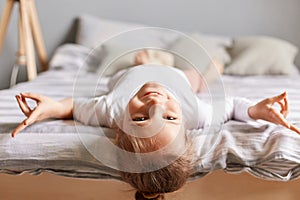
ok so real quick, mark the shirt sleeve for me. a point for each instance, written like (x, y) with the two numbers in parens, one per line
(236, 108)
(91, 111)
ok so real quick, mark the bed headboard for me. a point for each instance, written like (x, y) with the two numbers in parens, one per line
(227, 17)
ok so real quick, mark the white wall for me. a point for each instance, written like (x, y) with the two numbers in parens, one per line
(227, 17)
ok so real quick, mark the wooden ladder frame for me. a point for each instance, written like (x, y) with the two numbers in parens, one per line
(29, 31)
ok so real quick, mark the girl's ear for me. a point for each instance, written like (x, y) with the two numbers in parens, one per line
(117, 136)
(119, 132)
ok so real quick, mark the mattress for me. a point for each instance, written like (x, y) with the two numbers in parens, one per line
(263, 149)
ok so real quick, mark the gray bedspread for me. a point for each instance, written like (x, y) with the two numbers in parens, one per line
(262, 149)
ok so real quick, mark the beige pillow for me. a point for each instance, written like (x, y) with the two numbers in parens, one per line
(113, 60)
(214, 47)
(261, 55)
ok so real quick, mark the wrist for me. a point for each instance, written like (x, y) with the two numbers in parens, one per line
(65, 109)
(252, 112)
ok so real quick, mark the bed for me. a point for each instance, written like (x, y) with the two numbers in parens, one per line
(264, 150)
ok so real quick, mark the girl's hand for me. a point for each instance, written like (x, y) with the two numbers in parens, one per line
(265, 110)
(46, 108)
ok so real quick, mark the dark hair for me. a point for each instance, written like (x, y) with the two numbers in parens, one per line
(155, 183)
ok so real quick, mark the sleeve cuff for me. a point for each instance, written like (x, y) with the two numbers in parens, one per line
(241, 109)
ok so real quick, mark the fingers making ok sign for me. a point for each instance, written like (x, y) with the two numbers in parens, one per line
(266, 110)
(45, 108)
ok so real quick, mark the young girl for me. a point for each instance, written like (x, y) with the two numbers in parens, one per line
(149, 105)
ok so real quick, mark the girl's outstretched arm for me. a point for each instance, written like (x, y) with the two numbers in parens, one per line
(46, 108)
(265, 110)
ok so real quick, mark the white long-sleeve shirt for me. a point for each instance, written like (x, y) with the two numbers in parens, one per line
(107, 110)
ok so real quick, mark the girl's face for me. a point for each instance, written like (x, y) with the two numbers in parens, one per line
(152, 104)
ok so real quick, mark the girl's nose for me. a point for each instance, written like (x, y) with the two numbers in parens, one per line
(156, 111)
(154, 127)
(155, 100)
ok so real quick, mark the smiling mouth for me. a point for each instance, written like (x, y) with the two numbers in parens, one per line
(152, 93)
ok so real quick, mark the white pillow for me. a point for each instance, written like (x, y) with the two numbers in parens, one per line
(261, 55)
(214, 46)
(92, 31)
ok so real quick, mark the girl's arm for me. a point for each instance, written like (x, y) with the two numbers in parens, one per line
(244, 110)
(46, 108)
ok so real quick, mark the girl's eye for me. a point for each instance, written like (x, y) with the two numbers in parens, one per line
(171, 118)
(139, 119)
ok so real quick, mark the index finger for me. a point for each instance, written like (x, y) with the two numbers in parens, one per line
(19, 128)
(294, 128)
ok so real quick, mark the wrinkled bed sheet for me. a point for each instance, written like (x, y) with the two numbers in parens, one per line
(262, 149)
